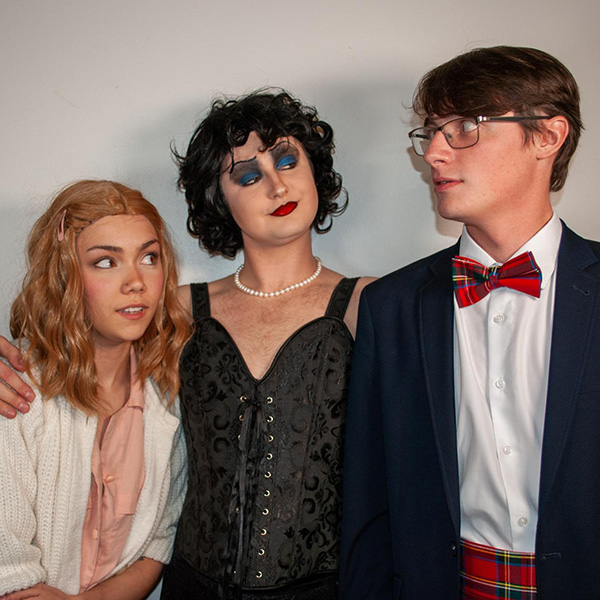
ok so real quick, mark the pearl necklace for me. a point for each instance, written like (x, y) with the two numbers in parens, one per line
(289, 288)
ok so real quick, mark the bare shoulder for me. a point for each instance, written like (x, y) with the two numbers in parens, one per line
(220, 292)
(217, 291)
(352, 311)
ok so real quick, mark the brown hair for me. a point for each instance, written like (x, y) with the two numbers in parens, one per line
(494, 81)
(50, 312)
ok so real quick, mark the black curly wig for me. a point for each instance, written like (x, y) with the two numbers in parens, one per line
(272, 114)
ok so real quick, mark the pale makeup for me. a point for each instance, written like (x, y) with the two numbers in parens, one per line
(270, 192)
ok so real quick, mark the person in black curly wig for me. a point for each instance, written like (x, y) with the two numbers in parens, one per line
(271, 115)
(265, 376)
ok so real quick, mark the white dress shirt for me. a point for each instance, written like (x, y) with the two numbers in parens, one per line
(502, 354)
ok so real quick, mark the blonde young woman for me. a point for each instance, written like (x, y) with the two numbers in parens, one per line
(93, 477)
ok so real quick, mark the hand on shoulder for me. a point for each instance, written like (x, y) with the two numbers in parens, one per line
(14, 392)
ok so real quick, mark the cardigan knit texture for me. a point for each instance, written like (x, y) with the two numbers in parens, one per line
(45, 477)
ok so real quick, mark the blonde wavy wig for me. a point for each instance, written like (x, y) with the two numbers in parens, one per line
(50, 314)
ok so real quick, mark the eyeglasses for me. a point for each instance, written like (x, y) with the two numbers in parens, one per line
(460, 133)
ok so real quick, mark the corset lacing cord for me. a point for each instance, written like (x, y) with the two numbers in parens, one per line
(252, 447)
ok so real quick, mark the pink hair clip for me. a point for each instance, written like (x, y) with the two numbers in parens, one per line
(61, 226)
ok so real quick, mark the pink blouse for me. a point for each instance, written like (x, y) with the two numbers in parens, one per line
(118, 474)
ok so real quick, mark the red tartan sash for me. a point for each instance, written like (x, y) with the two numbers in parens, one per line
(491, 574)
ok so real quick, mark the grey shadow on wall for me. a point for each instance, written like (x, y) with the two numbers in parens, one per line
(153, 170)
(387, 225)
(14, 220)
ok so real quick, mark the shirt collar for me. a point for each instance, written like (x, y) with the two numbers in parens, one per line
(544, 246)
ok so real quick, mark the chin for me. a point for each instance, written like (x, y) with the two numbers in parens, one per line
(452, 210)
(448, 214)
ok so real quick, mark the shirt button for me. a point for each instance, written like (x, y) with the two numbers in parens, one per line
(109, 478)
(507, 449)
(499, 383)
(522, 521)
(499, 319)
(94, 534)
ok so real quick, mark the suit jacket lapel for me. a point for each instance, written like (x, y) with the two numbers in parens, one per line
(437, 348)
(573, 311)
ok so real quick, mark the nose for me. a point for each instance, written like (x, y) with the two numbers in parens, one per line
(133, 281)
(277, 185)
(439, 150)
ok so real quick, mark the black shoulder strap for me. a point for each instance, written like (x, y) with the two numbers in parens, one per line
(340, 298)
(200, 300)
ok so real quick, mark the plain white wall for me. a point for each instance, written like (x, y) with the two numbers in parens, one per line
(101, 89)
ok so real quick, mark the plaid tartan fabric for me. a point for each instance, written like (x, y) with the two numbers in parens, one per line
(473, 281)
(491, 574)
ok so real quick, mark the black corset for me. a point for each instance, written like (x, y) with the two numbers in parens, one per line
(263, 506)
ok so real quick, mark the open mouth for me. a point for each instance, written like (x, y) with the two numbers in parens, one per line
(133, 312)
(284, 209)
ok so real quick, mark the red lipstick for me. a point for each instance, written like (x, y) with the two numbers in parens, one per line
(284, 209)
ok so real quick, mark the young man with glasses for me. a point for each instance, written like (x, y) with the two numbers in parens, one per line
(472, 454)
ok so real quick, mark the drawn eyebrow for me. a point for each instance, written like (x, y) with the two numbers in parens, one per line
(242, 162)
(119, 250)
(254, 158)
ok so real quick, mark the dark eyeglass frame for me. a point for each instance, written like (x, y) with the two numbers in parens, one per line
(428, 133)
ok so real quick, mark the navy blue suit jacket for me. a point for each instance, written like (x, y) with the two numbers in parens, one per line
(401, 525)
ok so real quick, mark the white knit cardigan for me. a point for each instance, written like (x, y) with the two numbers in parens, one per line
(45, 477)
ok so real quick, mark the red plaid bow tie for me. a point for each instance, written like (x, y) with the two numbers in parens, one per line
(473, 281)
